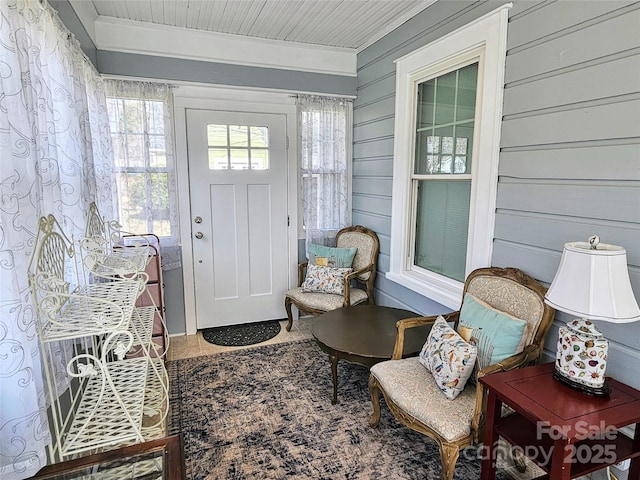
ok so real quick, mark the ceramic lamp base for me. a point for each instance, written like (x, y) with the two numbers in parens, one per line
(581, 356)
(601, 391)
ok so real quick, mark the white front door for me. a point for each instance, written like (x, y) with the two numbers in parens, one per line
(238, 182)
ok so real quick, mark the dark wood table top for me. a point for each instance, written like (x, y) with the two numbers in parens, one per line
(366, 334)
(534, 393)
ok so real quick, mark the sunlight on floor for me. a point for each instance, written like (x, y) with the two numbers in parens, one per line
(188, 346)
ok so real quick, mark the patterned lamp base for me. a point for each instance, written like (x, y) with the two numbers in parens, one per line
(581, 357)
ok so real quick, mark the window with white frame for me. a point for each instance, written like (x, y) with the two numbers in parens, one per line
(324, 124)
(141, 135)
(447, 132)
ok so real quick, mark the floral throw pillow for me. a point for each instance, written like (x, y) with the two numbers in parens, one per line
(448, 357)
(325, 279)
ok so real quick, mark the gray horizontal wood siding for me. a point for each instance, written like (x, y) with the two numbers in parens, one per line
(570, 147)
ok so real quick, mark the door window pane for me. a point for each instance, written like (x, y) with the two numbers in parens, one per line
(239, 159)
(218, 159)
(217, 135)
(259, 159)
(259, 137)
(238, 147)
(238, 136)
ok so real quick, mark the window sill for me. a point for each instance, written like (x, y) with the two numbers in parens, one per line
(440, 289)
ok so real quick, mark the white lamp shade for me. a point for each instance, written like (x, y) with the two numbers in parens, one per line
(594, 284)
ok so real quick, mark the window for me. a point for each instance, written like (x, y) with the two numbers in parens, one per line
(324, 166)
(445, 168)
(441, 177)
(140, 124)
(238, 147)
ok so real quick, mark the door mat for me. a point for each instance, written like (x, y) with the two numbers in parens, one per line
(243, 334)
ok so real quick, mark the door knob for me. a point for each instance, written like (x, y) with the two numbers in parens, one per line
(198, 219)
(199, 235)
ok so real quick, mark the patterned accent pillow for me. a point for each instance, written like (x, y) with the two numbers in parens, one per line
(448, 357)
(325, 279)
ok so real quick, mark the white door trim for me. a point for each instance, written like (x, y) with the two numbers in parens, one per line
(233, 101)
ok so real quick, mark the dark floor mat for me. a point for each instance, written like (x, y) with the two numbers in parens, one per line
(241, 335)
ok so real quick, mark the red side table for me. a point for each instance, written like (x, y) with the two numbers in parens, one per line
(566, 432)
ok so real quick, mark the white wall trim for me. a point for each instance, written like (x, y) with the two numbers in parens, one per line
(484, 39)
(212, 98)
(131, 36)
(408, 15)
(87, 14)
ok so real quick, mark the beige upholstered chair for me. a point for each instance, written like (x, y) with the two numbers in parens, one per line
(364, 273)
(410, 391)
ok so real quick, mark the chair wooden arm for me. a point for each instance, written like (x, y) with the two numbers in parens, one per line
(356, 273)
(522, 359)
(347, 282)
(528, 355)
(407, 323)
(301, 272)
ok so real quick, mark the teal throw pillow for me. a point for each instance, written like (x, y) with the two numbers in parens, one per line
(498, 335)
(331, 256)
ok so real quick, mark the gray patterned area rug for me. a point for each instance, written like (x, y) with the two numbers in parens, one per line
(266, 413)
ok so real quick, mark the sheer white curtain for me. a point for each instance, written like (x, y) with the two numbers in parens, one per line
(324, 161)
(141, 121)
(53, 126)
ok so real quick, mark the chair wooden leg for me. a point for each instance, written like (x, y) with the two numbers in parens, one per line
(374, 391)
(448, 456)
(287, 307)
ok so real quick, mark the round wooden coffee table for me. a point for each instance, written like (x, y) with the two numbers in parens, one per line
(364, 334)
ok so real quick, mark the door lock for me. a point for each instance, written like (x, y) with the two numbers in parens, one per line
(198, 219)
(199, 235)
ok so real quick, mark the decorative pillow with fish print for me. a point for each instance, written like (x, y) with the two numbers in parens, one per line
(448, 357)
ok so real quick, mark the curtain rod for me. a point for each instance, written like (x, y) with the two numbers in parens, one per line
(341, 97)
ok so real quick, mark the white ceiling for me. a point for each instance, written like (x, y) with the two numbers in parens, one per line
(352, 24)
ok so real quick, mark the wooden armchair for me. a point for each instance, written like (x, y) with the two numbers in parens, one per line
(414, 398)
(364, 273)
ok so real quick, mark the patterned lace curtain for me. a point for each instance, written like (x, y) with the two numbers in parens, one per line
(323, 167)
(53, 123)
(141, 121)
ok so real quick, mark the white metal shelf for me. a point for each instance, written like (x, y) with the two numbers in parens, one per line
(111, 408)
(108, 262)
(114, 393)
(93, 309)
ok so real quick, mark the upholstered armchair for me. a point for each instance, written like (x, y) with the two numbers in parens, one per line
(412, 392)
(362, 276)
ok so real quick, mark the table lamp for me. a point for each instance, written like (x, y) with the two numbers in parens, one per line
(592, 282)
